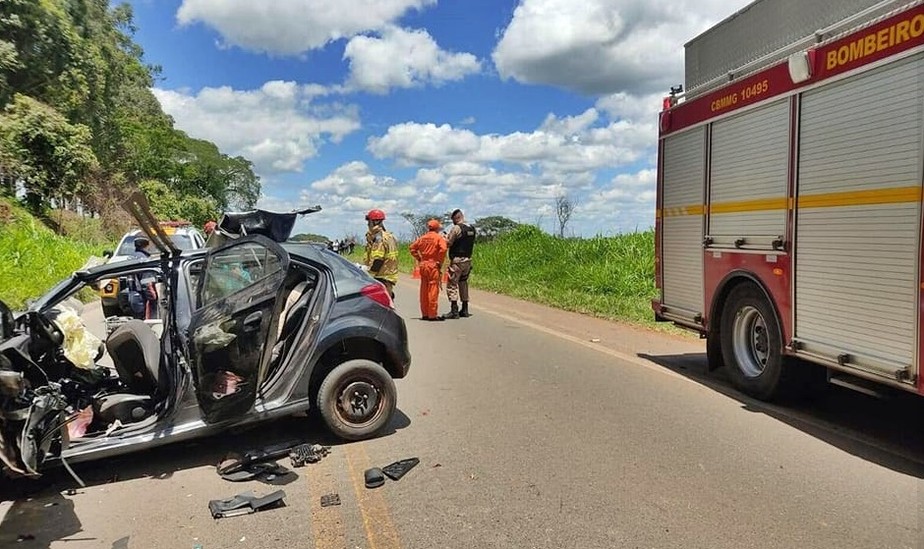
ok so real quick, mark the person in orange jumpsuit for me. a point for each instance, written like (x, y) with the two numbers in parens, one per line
(430, 251)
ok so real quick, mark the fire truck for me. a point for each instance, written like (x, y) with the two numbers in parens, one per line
(788, 219)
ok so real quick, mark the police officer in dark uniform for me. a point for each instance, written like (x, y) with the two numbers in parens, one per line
(461, 240)
(143, 298)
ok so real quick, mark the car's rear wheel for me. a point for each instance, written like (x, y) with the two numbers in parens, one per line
(357, 399)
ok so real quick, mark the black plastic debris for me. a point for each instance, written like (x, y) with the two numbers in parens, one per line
(374, 477)
(234, 462)
(256, 471)
(328, 500)
(25, 537)
(398, 469)
(244, 504)
(307, 453)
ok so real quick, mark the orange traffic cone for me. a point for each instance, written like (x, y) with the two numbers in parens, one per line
(416, 274)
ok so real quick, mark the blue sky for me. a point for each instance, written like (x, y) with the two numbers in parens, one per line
(492, 106)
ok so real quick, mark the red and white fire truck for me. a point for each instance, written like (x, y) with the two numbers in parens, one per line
(789, 210)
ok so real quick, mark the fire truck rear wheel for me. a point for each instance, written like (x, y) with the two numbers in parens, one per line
(752, 343)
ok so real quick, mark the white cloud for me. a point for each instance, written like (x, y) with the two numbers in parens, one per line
(624, 106)
(627, 203)
(356, 179)
(565, 145)
(277, 126)
(606, 46)
(400, 58)
(293, 26)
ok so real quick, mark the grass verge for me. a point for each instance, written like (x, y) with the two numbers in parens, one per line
(33, 258)
(607, 277)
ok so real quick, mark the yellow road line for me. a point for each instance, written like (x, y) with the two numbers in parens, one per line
(327, 528)
(380, 530)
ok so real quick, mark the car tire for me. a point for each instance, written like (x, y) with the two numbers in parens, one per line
(357, 399)
(752, 344)
(111, 310)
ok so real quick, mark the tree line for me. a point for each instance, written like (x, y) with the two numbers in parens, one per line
(80, 127)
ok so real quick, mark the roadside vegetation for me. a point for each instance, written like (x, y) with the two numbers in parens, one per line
(608, 277)
(33, 258)
(80, 128)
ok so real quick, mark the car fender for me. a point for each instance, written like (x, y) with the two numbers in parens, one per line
(332, 335)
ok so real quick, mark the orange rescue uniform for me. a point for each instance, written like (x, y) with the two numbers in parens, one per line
(430, 251)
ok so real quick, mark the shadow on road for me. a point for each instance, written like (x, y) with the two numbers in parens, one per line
(40, 509)
(885, 431)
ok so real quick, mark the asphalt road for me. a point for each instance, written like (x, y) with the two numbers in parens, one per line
(534, 428)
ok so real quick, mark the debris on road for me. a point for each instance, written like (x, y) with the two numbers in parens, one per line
(245, 504)
(25, 537)
(257, 471)
(307, 453)
(374, 477)
(234, 462)
(398, 469)
(328, 500)
(595, 340)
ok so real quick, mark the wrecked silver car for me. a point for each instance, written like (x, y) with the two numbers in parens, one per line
(250, 328)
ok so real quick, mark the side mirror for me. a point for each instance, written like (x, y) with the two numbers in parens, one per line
(107, 254)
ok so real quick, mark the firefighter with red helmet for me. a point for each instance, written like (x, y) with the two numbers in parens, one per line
(381, 251)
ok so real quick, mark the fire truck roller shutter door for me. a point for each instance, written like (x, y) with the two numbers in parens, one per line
(858, 219)
(682, 210)
(749, 177)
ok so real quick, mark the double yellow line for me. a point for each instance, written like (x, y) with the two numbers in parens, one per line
(327, 525)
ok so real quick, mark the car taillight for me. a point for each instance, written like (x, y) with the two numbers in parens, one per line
(377, 292)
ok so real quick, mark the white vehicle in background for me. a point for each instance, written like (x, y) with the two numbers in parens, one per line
(183, 235)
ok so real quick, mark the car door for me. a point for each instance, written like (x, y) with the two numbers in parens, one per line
(237, 300)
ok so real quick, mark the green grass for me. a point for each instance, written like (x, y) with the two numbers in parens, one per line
(33, 258)
(608, 277)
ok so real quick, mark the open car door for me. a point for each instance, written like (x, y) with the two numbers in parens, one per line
(229, 332)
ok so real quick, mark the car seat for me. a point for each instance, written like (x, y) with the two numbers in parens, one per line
(135, 352)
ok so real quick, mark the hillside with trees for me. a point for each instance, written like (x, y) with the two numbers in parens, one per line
(80, 128)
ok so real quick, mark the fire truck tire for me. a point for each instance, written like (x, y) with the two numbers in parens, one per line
(752, 344)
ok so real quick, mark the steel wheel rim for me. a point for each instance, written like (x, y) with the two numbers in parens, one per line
(751, 341)
(360, 402)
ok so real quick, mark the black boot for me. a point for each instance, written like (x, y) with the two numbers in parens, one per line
(464, 312)
(453, 310)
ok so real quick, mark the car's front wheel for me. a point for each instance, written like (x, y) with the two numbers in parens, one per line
(357, 399)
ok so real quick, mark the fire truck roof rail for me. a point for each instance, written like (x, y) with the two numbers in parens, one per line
(861, 19)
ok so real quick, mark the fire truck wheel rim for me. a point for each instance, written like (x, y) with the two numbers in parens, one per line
(751, 341)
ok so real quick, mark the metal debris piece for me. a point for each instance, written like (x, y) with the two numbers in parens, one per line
(330, 499)
(307, 453)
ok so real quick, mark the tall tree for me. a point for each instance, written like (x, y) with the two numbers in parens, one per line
(494, 226)
(564, 209)
(51, 156)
